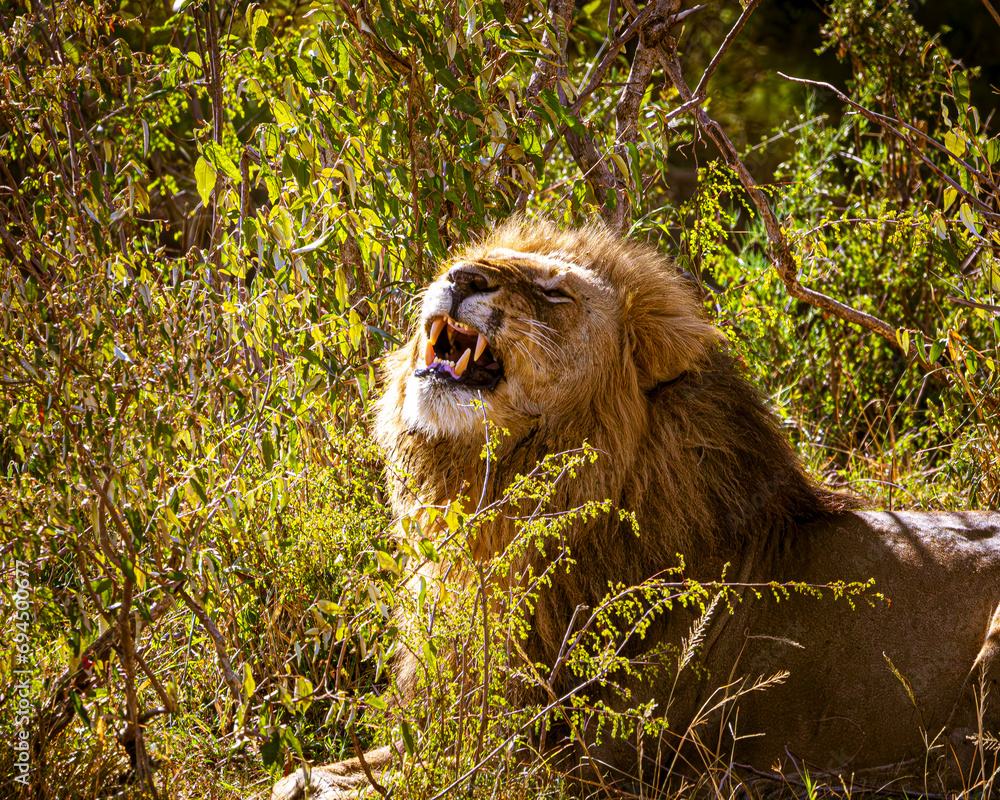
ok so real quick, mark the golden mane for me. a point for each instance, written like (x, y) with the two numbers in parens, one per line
(685, 442)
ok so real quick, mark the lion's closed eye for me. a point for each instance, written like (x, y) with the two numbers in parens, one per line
(556, 295)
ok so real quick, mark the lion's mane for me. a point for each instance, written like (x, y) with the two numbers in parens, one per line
(685, 442)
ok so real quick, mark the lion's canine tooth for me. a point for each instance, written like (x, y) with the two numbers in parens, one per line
(436, 327)
(429, 354)
(481, 344)
(463, 362)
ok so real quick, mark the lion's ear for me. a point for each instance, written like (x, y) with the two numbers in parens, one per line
(667, 333)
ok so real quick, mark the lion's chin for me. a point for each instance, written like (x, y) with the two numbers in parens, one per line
(437, 406)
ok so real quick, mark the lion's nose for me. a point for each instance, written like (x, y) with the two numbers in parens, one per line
(468, 280)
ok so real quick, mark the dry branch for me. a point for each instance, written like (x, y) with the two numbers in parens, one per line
(651, 24)
(888, 124)
(778, 245)
(218, 640)
(126, 654)
(603, 181)
(60, 710)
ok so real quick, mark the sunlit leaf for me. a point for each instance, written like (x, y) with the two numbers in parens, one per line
(204, 175)
(219, 158)
(407, 734)
(968, 217)
(955, 143)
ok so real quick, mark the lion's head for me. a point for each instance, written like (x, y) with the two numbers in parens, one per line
(547, 327)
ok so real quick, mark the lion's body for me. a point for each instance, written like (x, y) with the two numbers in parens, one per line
(602, 341)
(842, 707)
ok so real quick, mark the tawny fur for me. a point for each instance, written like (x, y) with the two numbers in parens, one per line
(631, 365)
(657, 398)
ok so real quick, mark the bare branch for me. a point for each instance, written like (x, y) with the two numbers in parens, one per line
(597, 77)
(993, 11)
(724, 47)
(585, 153)
(220, 643)
(365, 767)
(126, 653)
(630, 103)
(778, 244)
(59, 711)
(888, 124)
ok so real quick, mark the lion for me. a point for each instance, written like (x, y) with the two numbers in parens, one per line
(580, 335)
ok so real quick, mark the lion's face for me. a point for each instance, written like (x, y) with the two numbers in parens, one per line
(527, 334)
(564, 333)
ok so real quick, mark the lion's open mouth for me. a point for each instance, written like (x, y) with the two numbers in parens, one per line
(462, 355)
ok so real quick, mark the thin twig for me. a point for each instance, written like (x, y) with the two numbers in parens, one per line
(220, 643)
(993, 11)
(724, 47)
(59, 711)
(780, 249)
(364, 763)
(888, 124)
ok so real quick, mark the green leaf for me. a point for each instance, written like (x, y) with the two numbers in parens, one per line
(992, 150)
(903, 339)
(551, 101)
(530, 141)
(256, 19)
(270, 750)
(968, 218)
(128, 568)
(465, 102)
(219, 158)
(496, 10)
(199, 489)
(80, 708)
(936, 350)
(960, 89)
(949, 197)
(283, 114)
(315, 244)
(263, 39)
(303, 71)
(387, 562)
(204, 175)
(446, 79)
(267, 450)
(270, 140)
(291, 741)
(303, 693)
(955, 143)
(407, 734)
(428, 551)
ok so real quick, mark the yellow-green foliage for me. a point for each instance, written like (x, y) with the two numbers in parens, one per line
(214, 222)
